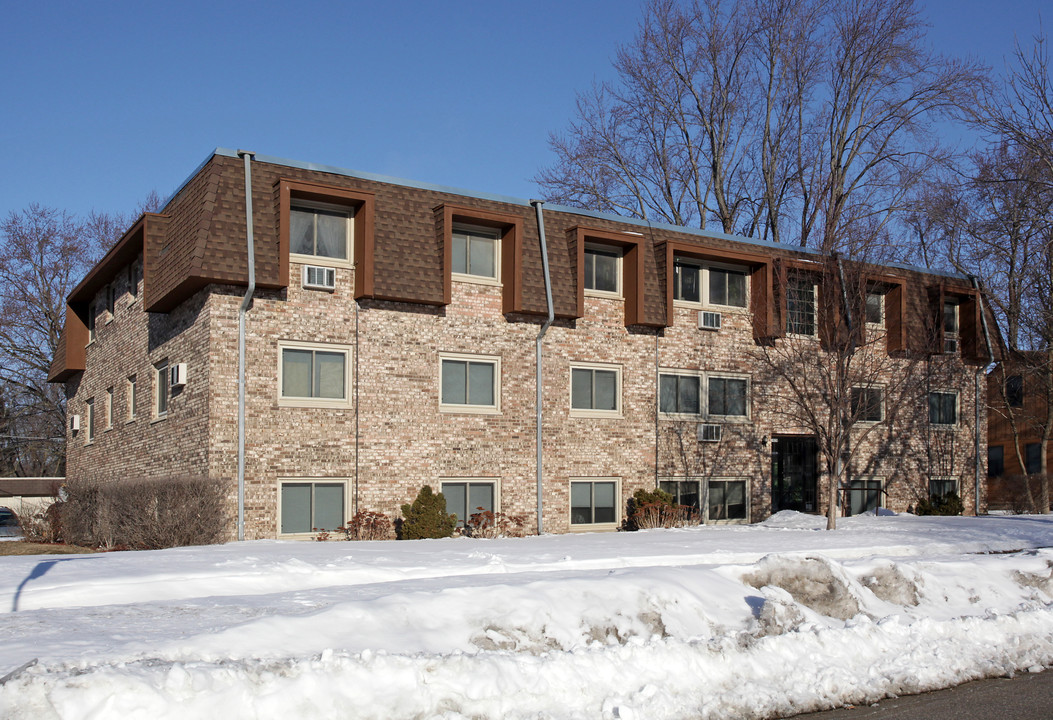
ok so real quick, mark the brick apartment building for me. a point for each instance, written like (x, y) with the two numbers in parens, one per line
(1019, 406)
(390, 343)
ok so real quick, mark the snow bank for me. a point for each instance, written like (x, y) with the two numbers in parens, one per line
(755, 621)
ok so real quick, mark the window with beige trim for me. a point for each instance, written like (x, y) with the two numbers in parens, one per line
(603, 270)
(595, 390)
(469, 383)
(874, 309)
(727, 500)
(679, 393)
(309, 505)
(727, 397)
(320, 233)
(161, 389)
(943, 408)
(89, 412)
(109, 408)
(801, 308)
(476, 253)
(594, 501)
(313, 374)
(131, 397)
(467, 496)
(950, 327)
(707, 284)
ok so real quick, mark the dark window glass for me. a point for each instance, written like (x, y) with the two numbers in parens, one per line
(727, 287)
(864, 495)
(593, 389)
(601, 270)
(465, 499)
(1033, 458)
(943, 408)
(995, 461)
(800, 308)
(679, 394)
(727, 396)
(687, 282)
(866, 404)
(1014, 391)
(465, 382)
(322, 233)
(592, 502)
(727, 500)
(874, 308)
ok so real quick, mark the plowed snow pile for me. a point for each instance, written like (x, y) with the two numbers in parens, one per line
(711, 622)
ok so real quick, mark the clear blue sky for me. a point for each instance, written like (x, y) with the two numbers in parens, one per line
(103, 102)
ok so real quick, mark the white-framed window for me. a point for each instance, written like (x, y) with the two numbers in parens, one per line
(467, 496)
(595, 390)
(706, 284)
(679, 393)
(603, 270)
(89, 415)
(130, 393)
(868, 404)
(727, 500)
(727, 396)
(800, 307)
(133, 280)
(685, 491)
(942, 486)
(476, 253)
(874, 309)
(313, 374)
(91, 322)
(320, 233)
(594, 501)
(108, 399)
(864, 495)
(469, 383)
(943, 407)
(308, 505)
(161, 389)
(950, 327)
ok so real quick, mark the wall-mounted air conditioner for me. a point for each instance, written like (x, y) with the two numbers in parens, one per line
(319, 278)
(709, 432)
(708, 320)
(177, 375)
(74, 422)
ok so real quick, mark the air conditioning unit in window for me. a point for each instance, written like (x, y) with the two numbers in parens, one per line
(74, 422)
(319, 278)
(709, 432)
(177, 375)
(708, 320)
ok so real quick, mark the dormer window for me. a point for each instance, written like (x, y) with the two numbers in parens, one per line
(721, 286)
(320, 232)
(874, 311)
(800, 308)
(950, 327)
(476, 252)
(603, 270)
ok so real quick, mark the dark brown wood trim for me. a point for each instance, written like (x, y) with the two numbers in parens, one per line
(511, 228)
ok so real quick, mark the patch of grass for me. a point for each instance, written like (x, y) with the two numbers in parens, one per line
(17, 547)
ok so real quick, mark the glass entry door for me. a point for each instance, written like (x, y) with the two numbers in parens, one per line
(794, 474)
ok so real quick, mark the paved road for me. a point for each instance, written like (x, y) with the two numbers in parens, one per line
(1025, 697)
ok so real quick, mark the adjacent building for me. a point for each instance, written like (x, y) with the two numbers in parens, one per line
(390, 344)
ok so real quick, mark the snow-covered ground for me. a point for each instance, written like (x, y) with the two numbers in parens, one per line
(710, 622)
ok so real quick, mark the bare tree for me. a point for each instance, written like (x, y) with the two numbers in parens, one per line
(44, 253)
(804, 121)
(833, 378)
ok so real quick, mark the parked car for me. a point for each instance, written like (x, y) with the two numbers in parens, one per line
(9, 527)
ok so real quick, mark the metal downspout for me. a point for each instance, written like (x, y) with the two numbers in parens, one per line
(246, 302)
(541, 334)
(976, 392)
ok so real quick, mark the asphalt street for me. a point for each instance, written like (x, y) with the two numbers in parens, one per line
(1028, 696)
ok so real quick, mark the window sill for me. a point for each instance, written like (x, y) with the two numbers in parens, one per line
(475, 279)
(314, 403)
(604, 294)
(728, 419)
(129, 421)
(680, 417)
(469, 410)
(597, 414)
(159, 418)
(320, 261)
(594, 527)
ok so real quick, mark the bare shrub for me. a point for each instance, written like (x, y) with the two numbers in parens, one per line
(41, 524)
(664, 515)
(487, 524)
(370, 525)
(146, 514)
